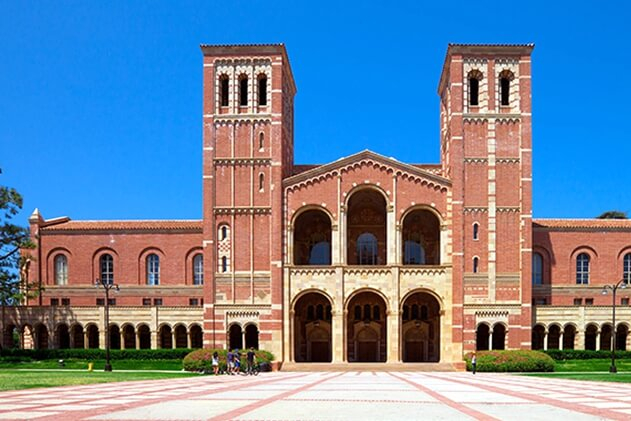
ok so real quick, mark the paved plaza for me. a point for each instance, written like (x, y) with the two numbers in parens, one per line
(326, 396)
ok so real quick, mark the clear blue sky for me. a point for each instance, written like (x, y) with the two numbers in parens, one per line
(100, 102)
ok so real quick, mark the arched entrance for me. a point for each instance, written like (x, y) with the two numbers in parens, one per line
(499, 336)
(10, 336)
(366, 324)
(144, 337)
(621, 337)
(569, 335)
(420, 328)
(312, 328)
(181, 340)
(41, 336)
(606, 332)
(92, 332)
(78, 337)
(538, 333)
(63, 336)
(129, 337)
(166, 337)
(235, 337)
(482, 337)
(554, 336)
(251, 336)
(366, 225)
(590, 337)
(196, 336)
(115, 337)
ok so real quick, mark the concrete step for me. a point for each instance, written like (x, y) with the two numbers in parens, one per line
(292, 366)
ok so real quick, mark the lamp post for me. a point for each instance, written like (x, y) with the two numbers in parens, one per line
(621, 284)
(107, 286)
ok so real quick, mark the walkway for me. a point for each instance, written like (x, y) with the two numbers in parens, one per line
(327, 396)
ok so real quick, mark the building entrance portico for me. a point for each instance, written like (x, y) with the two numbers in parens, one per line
(420, 328)
(366, 328)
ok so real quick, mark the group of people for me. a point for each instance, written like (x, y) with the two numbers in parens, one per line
(233, 361)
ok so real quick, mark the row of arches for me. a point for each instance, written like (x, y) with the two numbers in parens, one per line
(365, 328)
(366, 242)
(595, 337)
(126, 336)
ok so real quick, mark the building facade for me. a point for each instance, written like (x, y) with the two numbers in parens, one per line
(365, 259)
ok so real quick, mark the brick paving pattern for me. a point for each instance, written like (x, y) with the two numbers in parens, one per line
(326, 396)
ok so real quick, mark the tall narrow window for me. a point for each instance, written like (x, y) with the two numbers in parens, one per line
(476, 231)
(224, 232)
(626, 268)
(198, 269)
(225, 90)
(476, 264)
(537, 269)
(582, 269)
(367, 249)
(243, 91)
(474, 90)
(505, 90)
(261, 140)
(107, 268)
(61, 270)
(153, 269)
(261, 181)
(224, 264)
(262, 90)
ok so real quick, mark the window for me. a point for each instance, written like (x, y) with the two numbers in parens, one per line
(111, 301)
(624, 301)
(476, 231)
(423, 312)
(357, 313)
(157, 301)
(582, 269)
(505, 80)
(261, 140)
(414, 311)
(100, 301)
(310, 315)
(376, 313)
(537, 269)
(319, 312)
(198, 270)
(474, 87)
(225, 90)
(262, 90)
(61, 270)
(540, 301)
(414, 251)
(65, 301)
(146, 301)
(224, 264)
(578, 301)
(367, 249)
(54, 301)
(107, 269)
(589, 301)
(193, 301)
(626, 268)
(261, 181)
(476, 264)
(243, 91)
(223, 232)
(153, 269)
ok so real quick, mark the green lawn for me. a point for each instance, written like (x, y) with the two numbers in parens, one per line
(11, 379)
(591, 365)
(81, 364)
(594, 370)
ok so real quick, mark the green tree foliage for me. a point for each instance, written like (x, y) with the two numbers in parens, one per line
(613, 214)
(13, 240)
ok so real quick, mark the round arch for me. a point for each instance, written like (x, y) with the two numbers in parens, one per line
(482, 336)
(422, 207)
(360, 290)
(367, 313)
(312, 326)
(367, 208)
(312, 231)
(420, 321)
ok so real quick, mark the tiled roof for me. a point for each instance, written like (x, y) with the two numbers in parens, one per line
(583, 224)
(141, 225)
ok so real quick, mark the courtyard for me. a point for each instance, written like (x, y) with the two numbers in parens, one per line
(326, 396)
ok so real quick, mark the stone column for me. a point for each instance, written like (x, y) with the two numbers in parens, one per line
(188, 340)
(392, 337)
(391, 233)
(242, 338)
(561, 340)
(337, 336)
(344, 335)
(173, 338)
(545, 340)
(335, 244)
(122, 335)
(579, 340)
(490, 339)
(598, 340)
(86, 339)
(154, 339)
(137, 339)
(291, 340)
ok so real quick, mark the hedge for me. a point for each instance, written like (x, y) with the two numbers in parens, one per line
(584, 354)
(511, 361)
(92, 354)
(201, 359)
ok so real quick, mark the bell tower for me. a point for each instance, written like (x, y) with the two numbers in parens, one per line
(485, 93)
(247, 150)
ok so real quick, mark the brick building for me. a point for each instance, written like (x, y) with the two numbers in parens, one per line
(362, 259)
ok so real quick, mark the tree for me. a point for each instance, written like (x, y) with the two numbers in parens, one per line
(14, 239)
(613, 214)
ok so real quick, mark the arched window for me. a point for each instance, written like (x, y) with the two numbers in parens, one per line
(243, 90)
(153, 269)
(358, 312)
(262, 89)
(476, 231)
(376, 313)
(476, 264)
(505, 81)
(367, 249)
(198, 270)
(224, 90)
(414, 311)
(223, 232)
(582, 269)
(319, 312)
(261, 140)
(420, 233)
(61, 270)
(224, 264)
(475, 76)
(626, 268)
(310, 313)
(107, 268)
(367, 312)
(537, 269)
(261, 181)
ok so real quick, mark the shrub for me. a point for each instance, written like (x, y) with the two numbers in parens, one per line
(94, 354)
(201, 359)
(584, 354)
(511, 361)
